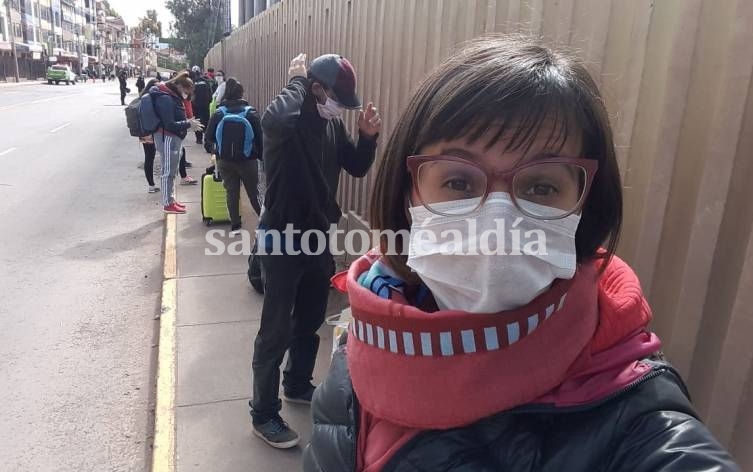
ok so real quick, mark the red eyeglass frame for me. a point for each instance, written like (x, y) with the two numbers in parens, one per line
(591, 166)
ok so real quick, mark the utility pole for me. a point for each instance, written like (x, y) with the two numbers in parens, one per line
(12, 35)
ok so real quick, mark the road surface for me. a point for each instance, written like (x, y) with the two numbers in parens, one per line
(80, 277)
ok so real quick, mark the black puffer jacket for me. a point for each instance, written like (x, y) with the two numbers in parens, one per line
(648, 426)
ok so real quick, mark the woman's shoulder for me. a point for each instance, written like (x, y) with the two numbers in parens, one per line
(644, 427)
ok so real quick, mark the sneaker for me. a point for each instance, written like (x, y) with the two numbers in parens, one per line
(276, 433)
(188, 180)
(177, 203)
(304, 398)
(235, 230)
(173, 209)
(153, 189)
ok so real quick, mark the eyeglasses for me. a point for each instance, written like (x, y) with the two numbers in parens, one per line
(546, 189)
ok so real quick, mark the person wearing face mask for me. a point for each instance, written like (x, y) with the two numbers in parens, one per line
(168, 99)
(306, 146)
(219, 93)
(480, 354)
(217, 97)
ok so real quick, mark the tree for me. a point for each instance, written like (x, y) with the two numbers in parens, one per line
(110, 11)
(149, 25)
(197, 26)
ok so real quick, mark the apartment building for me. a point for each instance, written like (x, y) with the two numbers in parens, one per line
(75, 32)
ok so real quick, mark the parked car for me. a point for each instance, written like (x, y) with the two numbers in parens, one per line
(60, 73)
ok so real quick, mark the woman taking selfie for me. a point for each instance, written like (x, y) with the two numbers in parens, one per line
(487, 354)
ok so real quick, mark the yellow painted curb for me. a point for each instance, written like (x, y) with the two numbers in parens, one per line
(163, 452)
(171, 262)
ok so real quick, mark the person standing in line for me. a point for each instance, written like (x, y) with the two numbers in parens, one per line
(233, 164)
(306, 146)
(201, 99)
(122, 79)
(140, 84)
(219, 93)
(186, 179)
(210, 78)
(174, 125)
(150, 150)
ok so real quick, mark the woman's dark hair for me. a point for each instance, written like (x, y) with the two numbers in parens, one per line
(183, 79)
(151, 83)
(233, 89)
(511, 89)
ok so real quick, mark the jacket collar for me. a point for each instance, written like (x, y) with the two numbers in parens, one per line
(165, 89)
(576, 343)
(234, 103)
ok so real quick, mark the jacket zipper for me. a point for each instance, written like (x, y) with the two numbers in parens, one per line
(655, 372)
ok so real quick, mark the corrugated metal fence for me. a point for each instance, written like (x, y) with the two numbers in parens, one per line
(677, 74)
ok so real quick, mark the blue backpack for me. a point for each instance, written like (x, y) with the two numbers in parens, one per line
(234, 135)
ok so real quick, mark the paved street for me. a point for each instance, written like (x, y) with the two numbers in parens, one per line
(80, 251)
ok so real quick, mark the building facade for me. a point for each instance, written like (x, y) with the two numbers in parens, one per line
(248, 9)
(74, 32)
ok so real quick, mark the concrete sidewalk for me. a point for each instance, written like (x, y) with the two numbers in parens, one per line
(216, 318)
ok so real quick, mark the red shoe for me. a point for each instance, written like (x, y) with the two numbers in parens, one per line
(174, 209)
(176, 203)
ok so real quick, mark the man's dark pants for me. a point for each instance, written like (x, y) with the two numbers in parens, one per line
(233, 173)
(296, 288)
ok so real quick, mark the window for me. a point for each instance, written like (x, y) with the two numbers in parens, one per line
(17, 30)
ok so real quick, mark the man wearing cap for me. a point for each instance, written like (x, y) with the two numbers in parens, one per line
(306, 146)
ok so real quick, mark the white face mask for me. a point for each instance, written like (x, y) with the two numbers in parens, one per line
(330, 110)
(488, 281)
(219, 78)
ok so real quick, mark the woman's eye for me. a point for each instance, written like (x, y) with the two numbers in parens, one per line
(540, 190)
(458, 185)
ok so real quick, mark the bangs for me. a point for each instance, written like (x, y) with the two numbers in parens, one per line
(520, 106)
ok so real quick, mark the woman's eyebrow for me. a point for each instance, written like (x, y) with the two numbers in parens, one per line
(546, 155)
(458, 152)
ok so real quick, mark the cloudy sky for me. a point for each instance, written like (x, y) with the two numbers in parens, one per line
(132, 10)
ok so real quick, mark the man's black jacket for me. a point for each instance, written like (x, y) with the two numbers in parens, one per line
(303, 157)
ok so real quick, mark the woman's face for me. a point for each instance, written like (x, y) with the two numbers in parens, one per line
(550, 185)
(185, 91)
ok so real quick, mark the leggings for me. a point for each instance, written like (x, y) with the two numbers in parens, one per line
(150, 151)
(182, 164)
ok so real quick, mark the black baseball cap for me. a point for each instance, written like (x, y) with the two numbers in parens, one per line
(336, 73)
